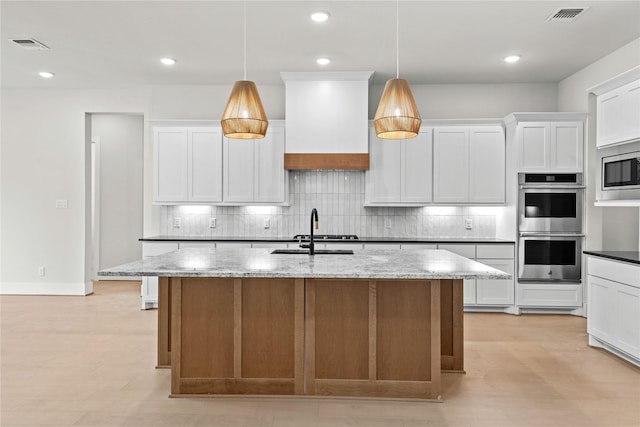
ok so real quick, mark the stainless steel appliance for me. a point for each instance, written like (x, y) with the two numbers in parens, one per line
(549, 257)
(550, 210)
(618, 172)
(550, 203)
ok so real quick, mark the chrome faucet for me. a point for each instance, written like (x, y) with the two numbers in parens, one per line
(311, 245)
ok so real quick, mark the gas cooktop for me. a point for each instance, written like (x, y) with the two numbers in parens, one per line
(326, 237)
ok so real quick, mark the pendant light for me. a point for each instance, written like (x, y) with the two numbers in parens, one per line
(397, 115)
(244, 116)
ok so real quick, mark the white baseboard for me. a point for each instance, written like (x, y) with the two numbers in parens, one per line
(45, 288)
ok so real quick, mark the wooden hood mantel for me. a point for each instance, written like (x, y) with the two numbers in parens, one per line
(305, 161)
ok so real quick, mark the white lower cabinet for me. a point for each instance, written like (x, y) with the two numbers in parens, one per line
(487, 294)
(149, 287)
(613, 320)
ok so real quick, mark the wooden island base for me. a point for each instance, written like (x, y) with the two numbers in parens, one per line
(331, 337)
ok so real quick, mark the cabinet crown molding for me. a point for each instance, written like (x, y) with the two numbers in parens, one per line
(543, 117)
(616, 81)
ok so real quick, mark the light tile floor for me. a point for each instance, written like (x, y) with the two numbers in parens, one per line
(88, 361)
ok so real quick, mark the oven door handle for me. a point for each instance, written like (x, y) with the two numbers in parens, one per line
(538, 187)
(533, 234)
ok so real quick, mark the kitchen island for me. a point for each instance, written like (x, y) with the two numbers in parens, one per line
(374, 324)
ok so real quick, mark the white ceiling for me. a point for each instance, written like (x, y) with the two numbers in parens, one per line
(102, 44)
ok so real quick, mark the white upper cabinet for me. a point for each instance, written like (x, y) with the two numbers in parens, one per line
(451, 165)
(205, 164)
(187, 164)
(618, 109)
(486, 165)
(549, 145)
(170, 183)
(254, 168)
(469, 165)
(400, 170)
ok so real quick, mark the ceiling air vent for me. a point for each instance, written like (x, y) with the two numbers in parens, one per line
(30, 44)
(566, 14)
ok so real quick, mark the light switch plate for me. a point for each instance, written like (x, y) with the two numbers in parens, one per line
(62, 203)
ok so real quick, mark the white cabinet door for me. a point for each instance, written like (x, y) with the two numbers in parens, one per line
(239, 169)
(415, 167)
(496, 291)
(170, 164)
(600, 319)
(269, 184)
(627, 319)
(566, 146)
(550, 146)
(469, 292)
(533, 143)
(384, 174)
(618, 115)
(451, 165)
(205, 164)
(487, 165)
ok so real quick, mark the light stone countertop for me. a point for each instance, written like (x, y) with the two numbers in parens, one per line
(363, 264)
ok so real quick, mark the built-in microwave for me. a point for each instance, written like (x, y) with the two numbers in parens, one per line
(618, 173)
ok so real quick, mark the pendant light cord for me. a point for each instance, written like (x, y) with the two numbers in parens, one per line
(244, 14)
(397, 39)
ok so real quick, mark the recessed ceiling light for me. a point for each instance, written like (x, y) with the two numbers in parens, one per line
(168, 61)
(512, 58)
(46, 74)
(323, 61)
(320, 16)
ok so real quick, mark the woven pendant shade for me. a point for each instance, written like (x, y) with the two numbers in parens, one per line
(244, 116)
(397, 116)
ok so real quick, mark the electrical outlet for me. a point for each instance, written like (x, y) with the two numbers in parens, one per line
(177, 222)
(41, 271)
(387, 223)
(468, 224)
(212, 223)
(267, 223)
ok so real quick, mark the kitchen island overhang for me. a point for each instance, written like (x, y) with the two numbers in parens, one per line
(372, 324)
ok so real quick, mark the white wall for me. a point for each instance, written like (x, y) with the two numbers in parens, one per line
(434, 101)
(476, 101)
(608, 228)
(44, 156)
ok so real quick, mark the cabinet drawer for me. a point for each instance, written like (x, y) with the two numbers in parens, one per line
(418, 246)
(494, 251)
(621, 272)
(154, 249)
(467, 251)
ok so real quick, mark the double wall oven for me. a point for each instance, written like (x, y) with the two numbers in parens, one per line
(550, 227)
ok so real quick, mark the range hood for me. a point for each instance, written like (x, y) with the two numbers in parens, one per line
(327, 120)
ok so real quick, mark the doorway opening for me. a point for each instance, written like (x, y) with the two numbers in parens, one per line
(116, 199)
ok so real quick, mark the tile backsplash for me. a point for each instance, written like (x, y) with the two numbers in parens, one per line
(339, 197)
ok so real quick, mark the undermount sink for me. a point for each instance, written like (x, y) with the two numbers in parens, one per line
(316, 252)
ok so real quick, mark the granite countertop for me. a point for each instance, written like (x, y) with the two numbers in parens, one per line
(365, 264)
(626, 256)
(360, 240)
